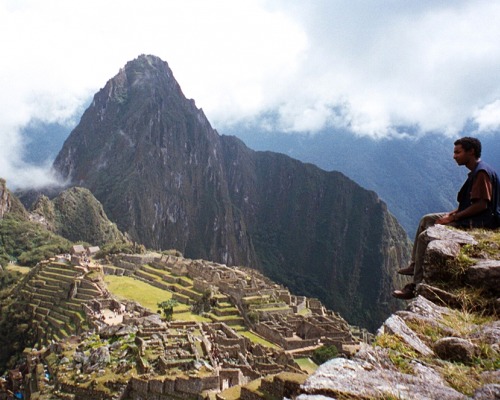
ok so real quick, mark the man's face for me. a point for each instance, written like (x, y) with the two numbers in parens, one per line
(462, 156)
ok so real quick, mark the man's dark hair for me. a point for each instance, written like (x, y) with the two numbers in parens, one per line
(468, 143)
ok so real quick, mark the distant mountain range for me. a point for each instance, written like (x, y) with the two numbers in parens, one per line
(414, 176)
(169, 180)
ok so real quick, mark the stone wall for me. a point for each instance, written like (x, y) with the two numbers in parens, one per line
(180, 386)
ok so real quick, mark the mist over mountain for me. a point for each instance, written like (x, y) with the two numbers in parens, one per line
(169, 180)
(44, 140)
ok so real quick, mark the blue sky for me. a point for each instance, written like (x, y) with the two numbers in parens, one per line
(367, 66)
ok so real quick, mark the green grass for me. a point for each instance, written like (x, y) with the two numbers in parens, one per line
(306, 364)
(488, 244)
(399, 352)
(188, 316)
(257, 339)
(18, 268)
(232, 393)
(304, 311)
(127, 288)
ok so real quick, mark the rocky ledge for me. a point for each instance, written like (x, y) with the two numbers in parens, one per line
(445, 345)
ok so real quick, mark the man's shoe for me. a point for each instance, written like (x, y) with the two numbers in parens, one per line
(409, 270)
(407, 293)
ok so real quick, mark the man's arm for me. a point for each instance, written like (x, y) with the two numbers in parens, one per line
(448, 218)
(475, 208)
(481, 194)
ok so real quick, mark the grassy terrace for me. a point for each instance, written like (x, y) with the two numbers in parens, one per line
(180, 285)
(256, 339)
(232, 393)
(306, 364)
(128, 288)
(18, 268)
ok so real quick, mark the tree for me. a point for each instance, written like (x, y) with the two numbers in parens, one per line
(167, 307)
(205, 304)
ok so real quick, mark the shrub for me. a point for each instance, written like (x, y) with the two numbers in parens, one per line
(324, 353)
(120, 247)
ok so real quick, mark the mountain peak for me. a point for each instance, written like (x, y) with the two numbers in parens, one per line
(146, 73)
(168, 180)
(148, 69)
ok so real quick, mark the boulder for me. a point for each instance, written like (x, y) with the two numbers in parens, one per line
(441, 232)
(488, 392)
(98, 358)
(396, 326)
(374, 373)
(439, 252)
(428, 309)
(485, 273)
(342, 378)
(491, 376)
(456, 349)
(438, 296)
(488, 333)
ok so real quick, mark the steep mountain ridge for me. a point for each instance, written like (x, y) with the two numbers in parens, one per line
(142, 139)
(333, 233)
(76, 215)
(170, 181)
(50, 226)
(9, 202)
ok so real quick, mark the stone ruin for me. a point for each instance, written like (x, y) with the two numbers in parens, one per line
(71, 306)
(266, 307)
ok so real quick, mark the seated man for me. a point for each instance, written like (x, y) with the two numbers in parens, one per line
(478, 207)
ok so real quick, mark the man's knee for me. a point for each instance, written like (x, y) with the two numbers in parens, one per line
(426, 221)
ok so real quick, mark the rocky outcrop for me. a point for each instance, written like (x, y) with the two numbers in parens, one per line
(169, 180)
(423, 372)
(76, 215)
(360, 379)
(44, 213)
(4, 199)
(431, 351)
(9, 203)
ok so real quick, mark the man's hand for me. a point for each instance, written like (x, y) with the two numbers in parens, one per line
(477, 207)
(448, 218)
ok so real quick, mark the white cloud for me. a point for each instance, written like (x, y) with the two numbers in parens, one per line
(17, 173)
(361, 65)
(429, 64)
(488, 117)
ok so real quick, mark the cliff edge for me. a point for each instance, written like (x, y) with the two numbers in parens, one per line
(444, 345)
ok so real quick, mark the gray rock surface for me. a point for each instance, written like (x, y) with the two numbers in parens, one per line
(439, 252)
(396, 326)
(456, 349)
(442, 232)
(437, 295)
(438, 327)
(488, 392)
(486, 274)
(341, 378)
